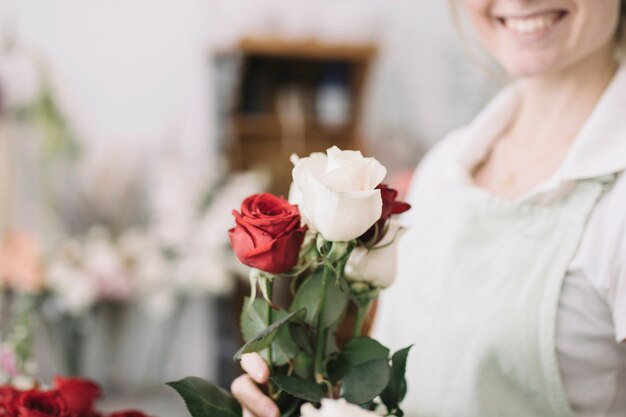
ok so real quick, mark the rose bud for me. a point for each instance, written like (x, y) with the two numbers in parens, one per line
(79, 394)
(377, 265)
(391, 206)
(268, 234)
(34, 403)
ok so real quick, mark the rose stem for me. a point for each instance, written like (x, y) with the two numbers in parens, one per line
(320, 346)
(362, 309)
(270, 319)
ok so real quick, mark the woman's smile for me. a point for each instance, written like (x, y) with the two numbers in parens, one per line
(535, 26)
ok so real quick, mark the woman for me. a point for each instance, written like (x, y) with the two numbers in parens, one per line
(516, 295)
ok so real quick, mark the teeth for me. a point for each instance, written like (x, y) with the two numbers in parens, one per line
(530, 25)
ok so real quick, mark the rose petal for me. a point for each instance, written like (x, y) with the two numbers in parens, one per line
(344, 216)
(339, 215)
(79, 394)
(338, 158)
(358, 176)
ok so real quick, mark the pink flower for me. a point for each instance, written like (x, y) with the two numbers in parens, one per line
(20, 266)
(8, 362)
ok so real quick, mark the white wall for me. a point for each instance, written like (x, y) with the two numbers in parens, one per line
(133, 74)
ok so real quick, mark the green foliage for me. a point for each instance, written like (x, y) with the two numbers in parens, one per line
(309, 296)
(363, 349)
(204, 399)
(394, 393)
(303, 365)
(253, 318)
(302, 370)
(300, 388)
(365, 382)
(300, 336)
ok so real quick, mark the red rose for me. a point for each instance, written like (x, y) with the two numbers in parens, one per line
(34, 403)
(8, 401)
(128, 413)
(267, 235)
(391, 206)
(79, 394)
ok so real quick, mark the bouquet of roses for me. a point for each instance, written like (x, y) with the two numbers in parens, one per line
(333, 242)
(69, 397)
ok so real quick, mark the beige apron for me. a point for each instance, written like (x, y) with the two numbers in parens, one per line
(478, 289)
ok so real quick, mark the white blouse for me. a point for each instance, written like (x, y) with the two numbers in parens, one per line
(591, 322)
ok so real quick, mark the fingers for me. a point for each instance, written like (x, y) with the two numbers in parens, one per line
(254, 402)
(248, 413)
(255, 366)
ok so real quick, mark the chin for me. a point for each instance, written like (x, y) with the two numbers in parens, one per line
(532, 65)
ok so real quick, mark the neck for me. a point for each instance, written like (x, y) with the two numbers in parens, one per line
(554, 107)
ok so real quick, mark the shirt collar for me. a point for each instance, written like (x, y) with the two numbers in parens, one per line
(598, 150)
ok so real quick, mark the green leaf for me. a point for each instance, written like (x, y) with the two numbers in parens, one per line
(365, 382)
(300, 336)
(266, 336)
(289, 406)
(336, 369)
(363, 349)
(309, 295)
(255, 319)
(395, 391)
(205, 399)
(303, 365)
(300, 388)
(285, 349)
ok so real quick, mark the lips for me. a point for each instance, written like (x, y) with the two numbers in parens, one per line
(532, 24)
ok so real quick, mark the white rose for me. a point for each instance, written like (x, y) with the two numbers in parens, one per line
(377, 265)
(336, 193)
(335, 408)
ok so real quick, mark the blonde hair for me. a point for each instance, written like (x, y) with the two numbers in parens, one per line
(621, 34)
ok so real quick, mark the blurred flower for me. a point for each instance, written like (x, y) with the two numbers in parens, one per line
(20, 264)
(35, 403)
(103, 263)
(73, 290)
(179, 253)
(20, 79)
(203, 273)
(8, 362)
(79, 395)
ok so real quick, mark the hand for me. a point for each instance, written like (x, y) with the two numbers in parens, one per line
(254, 402)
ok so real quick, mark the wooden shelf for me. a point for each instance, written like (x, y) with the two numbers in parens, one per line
(263, 124)
(270, 67)
(306, 49)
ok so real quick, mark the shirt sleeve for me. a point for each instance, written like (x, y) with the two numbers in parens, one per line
(618, 290)
(617, 259)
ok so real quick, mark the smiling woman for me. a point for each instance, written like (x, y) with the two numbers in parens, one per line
(529, 37)
(512, 271)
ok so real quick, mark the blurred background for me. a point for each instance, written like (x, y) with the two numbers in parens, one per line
(130, 129)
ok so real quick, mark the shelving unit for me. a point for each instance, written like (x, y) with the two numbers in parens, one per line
(293, 97)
